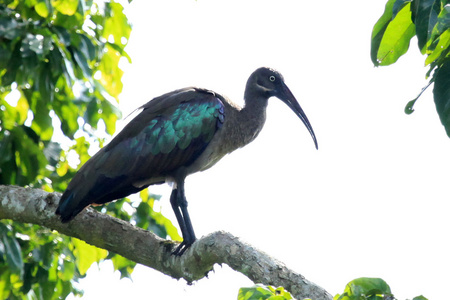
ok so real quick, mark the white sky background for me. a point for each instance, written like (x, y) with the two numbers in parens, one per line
(371, 202)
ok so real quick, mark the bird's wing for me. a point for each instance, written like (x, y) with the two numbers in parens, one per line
(171, 132)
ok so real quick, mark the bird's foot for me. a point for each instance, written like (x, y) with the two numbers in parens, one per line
(182, 248)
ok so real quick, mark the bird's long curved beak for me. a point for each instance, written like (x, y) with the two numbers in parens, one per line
(287, 97)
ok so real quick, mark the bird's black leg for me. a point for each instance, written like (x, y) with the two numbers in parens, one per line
(177, 211)
(182, 203)
(179, 206)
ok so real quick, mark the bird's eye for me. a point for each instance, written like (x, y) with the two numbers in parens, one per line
(272, 78)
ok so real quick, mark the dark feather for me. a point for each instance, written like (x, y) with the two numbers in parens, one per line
(171, 132)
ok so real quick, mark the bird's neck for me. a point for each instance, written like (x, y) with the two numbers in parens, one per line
(255, 106)
(253, 117)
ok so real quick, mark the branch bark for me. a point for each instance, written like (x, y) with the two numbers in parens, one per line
(38, 207)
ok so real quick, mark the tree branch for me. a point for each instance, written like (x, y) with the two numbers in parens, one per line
(38, 207)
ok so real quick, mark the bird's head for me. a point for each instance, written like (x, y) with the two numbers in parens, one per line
(268, 83)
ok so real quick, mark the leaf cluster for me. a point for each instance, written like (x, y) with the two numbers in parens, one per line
(262, 292)
(59, 86)
(366, 288)
(429, 21)
(36, 263)
(59, 64)
(363, 288)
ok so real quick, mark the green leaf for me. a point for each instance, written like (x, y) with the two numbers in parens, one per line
(14, 115)
(442, 24)
(409, 109)
(379, 29)
(22, 109)
(12, 250)
(67, 270)
(253, 293)
(81, 147)
(42, 9)
(7, 161)
(82, 62)
(365, 288)
(10, 28)
(425, 15)
(47, 288)
(398, 5)
(27, 278)
(29, 157)
(261, 292)
(111, 74)
(5, 55)
(46, 83)
(52, 152)
(419, 298)
(439, 45)
(10, 116)
(67, 112)
(42, 123)
(441, 92)
(87, 47)
(280, 293)
(92, 115)
(86, 255)
(66, 7)
(117, 25)
(31, 45)
(5, 284)
(46, 254)
(120, 50)
(441, 48)
(63, 35)
(68, 66)
(123, 265)
(392, 37)
(109, 114)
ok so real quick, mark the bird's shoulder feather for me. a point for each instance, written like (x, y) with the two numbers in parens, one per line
(172, 106)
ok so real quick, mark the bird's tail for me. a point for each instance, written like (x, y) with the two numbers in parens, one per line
(65, 209)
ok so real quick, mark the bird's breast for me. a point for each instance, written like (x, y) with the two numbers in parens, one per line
(234, 134)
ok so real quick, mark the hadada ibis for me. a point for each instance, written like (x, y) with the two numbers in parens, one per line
(175, 135)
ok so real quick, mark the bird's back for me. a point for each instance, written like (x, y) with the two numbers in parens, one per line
(170, 133)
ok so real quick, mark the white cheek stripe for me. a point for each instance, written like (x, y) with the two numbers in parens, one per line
(263, 88)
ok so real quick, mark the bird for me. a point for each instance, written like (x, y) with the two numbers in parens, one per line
(175, 135)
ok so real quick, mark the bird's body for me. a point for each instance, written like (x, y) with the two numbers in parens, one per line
(175, 135)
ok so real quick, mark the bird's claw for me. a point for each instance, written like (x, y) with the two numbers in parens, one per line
(182, 247)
